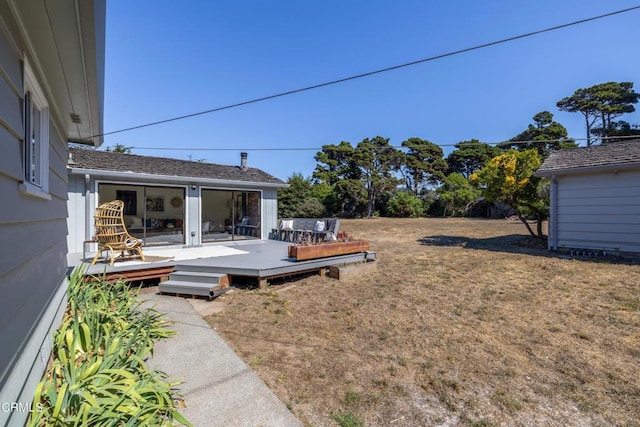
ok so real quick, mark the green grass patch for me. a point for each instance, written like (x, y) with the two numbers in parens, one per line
(351, 398)
(347, 419)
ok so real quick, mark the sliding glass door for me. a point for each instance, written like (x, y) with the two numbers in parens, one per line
(152, 213)
(230, 215)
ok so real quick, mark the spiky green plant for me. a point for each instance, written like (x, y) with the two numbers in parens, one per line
(98, 375)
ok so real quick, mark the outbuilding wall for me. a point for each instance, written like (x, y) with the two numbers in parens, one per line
(597, 211)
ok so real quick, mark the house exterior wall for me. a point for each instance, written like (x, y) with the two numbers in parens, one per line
(599, 211)
(33, 218)
(33, 231)
(79, 219)
(269, 211)
(192, 216)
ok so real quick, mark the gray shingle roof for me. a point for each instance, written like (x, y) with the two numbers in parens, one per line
(598, 156)
(118, 162)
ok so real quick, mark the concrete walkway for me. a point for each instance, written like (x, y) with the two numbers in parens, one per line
(219, 389)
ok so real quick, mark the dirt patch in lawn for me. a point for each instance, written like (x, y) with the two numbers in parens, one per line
(465, 322)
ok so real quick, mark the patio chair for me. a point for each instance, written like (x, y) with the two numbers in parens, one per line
(112, 235)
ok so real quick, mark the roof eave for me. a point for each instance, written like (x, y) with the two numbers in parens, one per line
(65, 45)
(587, 169)
(174, 178)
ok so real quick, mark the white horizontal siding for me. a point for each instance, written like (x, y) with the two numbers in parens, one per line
(599, 211)
(269, 211)
(598, 245)
(604, 228)
(76, 219)
(588, 193)
(603, 180)
(11, 108)
(629, 219)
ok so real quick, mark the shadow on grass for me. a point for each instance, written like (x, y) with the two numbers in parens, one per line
(513, 243)
(519, 244)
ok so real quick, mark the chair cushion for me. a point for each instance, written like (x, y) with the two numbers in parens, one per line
(132, 243)
(319, 226)
(136, 222)
(287, 224)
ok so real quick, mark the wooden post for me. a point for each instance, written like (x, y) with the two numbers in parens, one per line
(262, 283)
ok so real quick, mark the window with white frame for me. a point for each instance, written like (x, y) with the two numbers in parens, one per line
(36, 132)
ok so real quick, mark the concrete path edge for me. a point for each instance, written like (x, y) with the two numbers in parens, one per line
(219, 388)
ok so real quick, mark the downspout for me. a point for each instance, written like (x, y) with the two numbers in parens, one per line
(87, 206)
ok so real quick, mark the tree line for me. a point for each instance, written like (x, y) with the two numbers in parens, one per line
(375, 178)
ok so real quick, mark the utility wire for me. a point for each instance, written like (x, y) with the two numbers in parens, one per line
(467, 143)
(371, 73)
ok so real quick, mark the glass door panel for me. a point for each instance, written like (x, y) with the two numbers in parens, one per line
(230, 215)
(153, 214)
(217, 215)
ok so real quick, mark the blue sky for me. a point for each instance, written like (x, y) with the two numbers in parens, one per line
(166, 59)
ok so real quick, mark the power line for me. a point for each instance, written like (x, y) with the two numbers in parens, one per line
(538, 141)
(370, 73)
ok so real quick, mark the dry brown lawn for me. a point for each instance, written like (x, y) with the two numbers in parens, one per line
(464, 323)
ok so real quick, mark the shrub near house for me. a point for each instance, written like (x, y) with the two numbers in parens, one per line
(98, 375)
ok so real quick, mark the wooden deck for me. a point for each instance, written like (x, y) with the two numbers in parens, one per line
(136, 275)
(262, 260)
(267, 259)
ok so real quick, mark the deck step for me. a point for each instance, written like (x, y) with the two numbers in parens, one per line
(199, 268)
(198, 277)
(192, 288)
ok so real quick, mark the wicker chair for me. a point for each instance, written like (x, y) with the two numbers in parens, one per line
(112, 235)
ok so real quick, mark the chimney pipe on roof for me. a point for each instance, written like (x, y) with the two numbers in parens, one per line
(243, 161)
